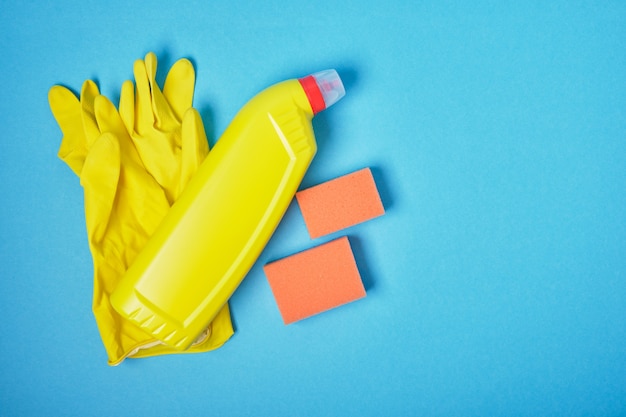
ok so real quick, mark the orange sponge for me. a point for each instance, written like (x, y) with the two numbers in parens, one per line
(315, 280)
(340, 203)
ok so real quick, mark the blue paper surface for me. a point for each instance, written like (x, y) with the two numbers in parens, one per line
(496, 280)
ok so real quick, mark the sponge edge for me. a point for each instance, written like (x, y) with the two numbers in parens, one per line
(340, 203)
(315, 280)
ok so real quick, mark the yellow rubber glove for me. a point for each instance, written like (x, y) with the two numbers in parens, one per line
(123, 205)
(155, 120)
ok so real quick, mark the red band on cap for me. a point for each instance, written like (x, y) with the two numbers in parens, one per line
(313, 93)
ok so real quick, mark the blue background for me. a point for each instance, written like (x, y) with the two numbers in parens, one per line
(496, 281)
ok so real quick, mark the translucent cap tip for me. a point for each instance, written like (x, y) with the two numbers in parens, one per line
(330, 86)
(323, 89)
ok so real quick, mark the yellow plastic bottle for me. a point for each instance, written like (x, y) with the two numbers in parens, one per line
(218, 227)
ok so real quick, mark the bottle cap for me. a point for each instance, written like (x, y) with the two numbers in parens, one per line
(323, 89)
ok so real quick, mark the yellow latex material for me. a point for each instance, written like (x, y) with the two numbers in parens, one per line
(124, 199)
(217, 228)
(155, 120)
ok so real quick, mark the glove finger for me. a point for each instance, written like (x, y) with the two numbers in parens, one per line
(179, 86)
(88, 95)
(108, 119)
(66, 110)
(127, 105)
(195, 146)
(165, 118)
(99, 178)
(144, 120)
